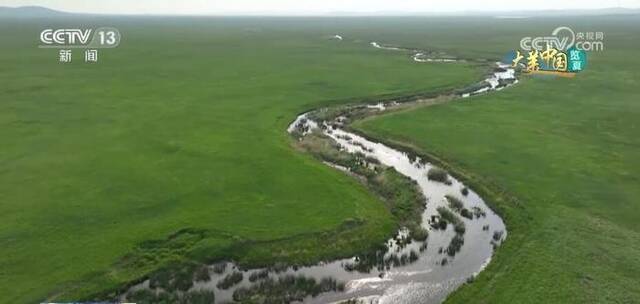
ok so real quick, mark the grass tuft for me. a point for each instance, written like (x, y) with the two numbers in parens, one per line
(230, 280)
(438, 175)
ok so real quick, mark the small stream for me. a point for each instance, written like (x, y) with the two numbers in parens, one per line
(428, 273)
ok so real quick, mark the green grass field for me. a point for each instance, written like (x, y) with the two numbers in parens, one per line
(181, 127)
(566, 149)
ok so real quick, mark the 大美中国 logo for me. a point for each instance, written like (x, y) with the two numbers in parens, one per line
(550, 61)
(563, 53)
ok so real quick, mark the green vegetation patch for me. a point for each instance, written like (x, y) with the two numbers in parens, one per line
(285, 289)
(438, 175)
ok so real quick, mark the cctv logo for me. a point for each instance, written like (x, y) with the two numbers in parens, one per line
(554, 41)
(563, 38)
(104, 37)
(65, 36)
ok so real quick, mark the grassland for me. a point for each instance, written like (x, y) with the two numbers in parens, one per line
(174, 147)
(558, 158)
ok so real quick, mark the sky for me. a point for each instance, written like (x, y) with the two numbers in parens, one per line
(309, 7)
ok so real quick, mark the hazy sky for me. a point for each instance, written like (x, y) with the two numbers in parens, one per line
(296, 7)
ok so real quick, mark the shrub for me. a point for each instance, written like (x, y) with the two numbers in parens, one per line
(466, 213)
(199, 297)
(159, 279)
(202, 274)
(497, 235)
(458, 224)
(178, 276)
(230, 280)
(285, 289)
(464, 191)
(438, 175)
(454, 203)
(446, 214)
(219, 268)
(257, 275)
(458, 206)
(403, 241)
(401, 195)
(478, 212)
(279, 267)
(454, 246)
(418, 233)
(439, 223)
(413, 256)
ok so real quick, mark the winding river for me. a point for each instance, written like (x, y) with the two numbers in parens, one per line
(431, 273)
